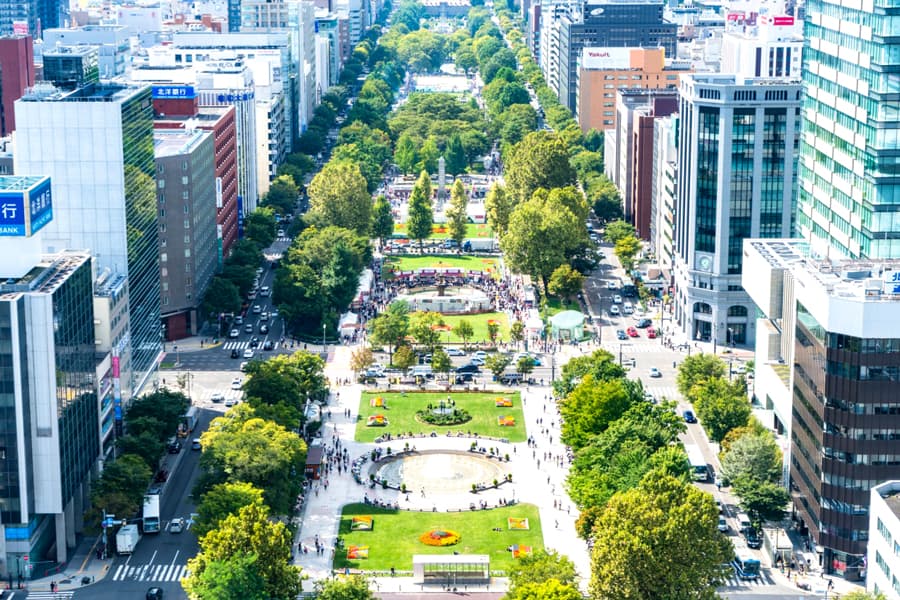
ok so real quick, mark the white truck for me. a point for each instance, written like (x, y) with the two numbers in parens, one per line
(151, 513)
(127, 538)
(480, 245)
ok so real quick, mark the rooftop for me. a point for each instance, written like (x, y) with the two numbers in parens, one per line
(174, 142)
(48, 275)
(19, 183)
(94, 92)
(73, 50)
(890, 492)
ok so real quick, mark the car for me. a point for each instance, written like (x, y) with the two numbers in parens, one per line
(511, 378)
(480, 354)
(617, 299)
(251, 295)
(248, 328)
(244, 366)
(195, 444)
(254, 342)
(651, 333)
(620, 334)
(154, 593)
(469, 368)
(263, 316)
(464, 378)
(535, 361)
(632, 332)
(455, 352)
(234, 333)
(264, 291)
(173, 446)
(723, 524)
(248, 353)
(263, 329)
(612, 285)
(477, 361)
(739, 369)
(176, 525)
(257, 309)
(689, 416)
(231, 402)
(218, 398)
(643, 323)
(654, 372)
(235, 353)
(371, 373)
(280, 233)
(236, 383)
(273, 313)
(239, 320)
(753, 538)
(614, 311)
(269, 345)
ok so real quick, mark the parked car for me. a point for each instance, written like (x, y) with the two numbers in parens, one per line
(723, 524)
(614, 311)
(469, 368)
(173, 446)
(477, 361)
(689, 416)
(617, 299)
(480, 354)
(455, 352)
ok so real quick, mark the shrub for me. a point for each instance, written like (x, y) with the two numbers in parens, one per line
(440, 537)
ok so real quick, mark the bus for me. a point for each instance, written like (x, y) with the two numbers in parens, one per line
(188, 422)
(699, 468)
(745, 566)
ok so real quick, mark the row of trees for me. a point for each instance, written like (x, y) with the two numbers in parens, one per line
(750, 457)
(631, 482)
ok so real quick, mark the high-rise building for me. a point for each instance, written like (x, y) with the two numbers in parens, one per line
(30, 17)
(828, 363)
(114, 42)
(608, 24)
(16, 74)
(185, 171)
(71, 67)
(663, 192)
(96, 143)
(849, 174)
(736, 160)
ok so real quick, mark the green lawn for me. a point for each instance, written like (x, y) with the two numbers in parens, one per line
(555, 305)
(414, 262)
(394, 537)
(439, 231)
(401, 414)
(479, 324)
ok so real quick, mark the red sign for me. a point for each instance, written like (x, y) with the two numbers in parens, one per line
(20, 27)
(783, 21)
(736, 16)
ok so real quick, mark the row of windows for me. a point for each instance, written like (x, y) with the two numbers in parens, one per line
(863, 373)
(845, 507)
(851, 343)
(875, 460)
(884, 531)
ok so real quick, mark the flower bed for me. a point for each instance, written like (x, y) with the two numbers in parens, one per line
(503, 403)
(457, 416)
(357, 552)
(377, 421)
(506, 421)
(362, 523)
(440, 537)
(519, 523)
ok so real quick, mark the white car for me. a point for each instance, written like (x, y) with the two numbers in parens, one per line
(218, 398)
(614, 311)
(231, 402)
(257, 309)
(234, 333)
(617, 299)
(477, 361)
(264, 316)
(455, 352)
(480, 354)
(236, 383)
(244, 367)
(176, 525)
(611, 285)
(654, 372)
(248, 353)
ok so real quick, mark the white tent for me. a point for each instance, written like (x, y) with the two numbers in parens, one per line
(349, 321)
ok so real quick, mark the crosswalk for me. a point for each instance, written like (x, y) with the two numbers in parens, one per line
(66, 595)
(765, 578)
(170, 572)
(243, 345)
(630, 348)
(669, 392)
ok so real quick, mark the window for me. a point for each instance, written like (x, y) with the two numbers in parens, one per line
(161, 183)
(163, 257)
(187, 223)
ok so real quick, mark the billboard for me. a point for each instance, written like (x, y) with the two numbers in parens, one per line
(174, 92)
(606, 58)
(24, 212)
(780, 21)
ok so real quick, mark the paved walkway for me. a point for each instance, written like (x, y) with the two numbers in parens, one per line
(534, 483)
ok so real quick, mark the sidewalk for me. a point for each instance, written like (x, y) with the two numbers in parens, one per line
(82, 569)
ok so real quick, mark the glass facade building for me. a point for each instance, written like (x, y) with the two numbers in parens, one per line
(849, 172)
(96, 143)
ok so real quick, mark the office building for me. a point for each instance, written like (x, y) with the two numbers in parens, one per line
(185, 171)
(16, 75)
(96, 143)
(663, 193)
(30, 17)
(113, 42)
(608, 24)
(176, 113)
(834, 321)
(71, 67)
(629, 149)
(849, 175)
(736, 164)
(602, 71)
(883, 555)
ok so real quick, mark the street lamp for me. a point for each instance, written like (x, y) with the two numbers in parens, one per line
(323, 338)
(175, 347)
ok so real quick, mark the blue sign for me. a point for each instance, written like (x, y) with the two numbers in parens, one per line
(23, 213)
(173, 92)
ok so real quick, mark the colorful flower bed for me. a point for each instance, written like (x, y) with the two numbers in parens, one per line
(356, 552)
(520, 551)
(457, 416)
(506, 421)
(440, 537)
(519, 523)
(361, 523)
(377, 421)
(377, 402)
(503, 403)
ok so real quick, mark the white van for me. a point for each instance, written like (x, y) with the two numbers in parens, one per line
(744, 522)
(264, 291)
(628, 308)
(421, 371)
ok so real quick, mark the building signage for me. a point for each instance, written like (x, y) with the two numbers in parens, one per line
(782, 21)
(218, 192)
(891, 282)
(25, 212)
(606, 58)
(736, 16)
(174, 92)
(20, 27)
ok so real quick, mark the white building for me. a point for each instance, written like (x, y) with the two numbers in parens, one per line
(323, 65)
(884, 541)
(113, 41)
(662, 209)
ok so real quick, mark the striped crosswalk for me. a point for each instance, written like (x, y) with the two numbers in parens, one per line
(62, 595)
(243, 345)
(663, 392)
(630, 348)
(765, 578)
(170, 572)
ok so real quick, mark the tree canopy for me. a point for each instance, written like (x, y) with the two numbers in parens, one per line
(339, 196)
(421, 213)
(540, 160)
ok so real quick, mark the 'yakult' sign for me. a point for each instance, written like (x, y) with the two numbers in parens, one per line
(606, 58)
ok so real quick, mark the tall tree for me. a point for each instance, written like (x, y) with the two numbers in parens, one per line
(259, 226)
(235, 577)
(421, 212)
(424, 326)
(382, 220)
(249, 532)
(455, 156)
(339, 196)
(221, 296)
(499, 208)
(752, 458)
(565, 282)
(517, 332)
(464, 331)
(221, 501)
(287, 378)
(354, 587)
(617, 230)
(440, 362)
(541, 160)
(428, 156)
(405, 154)
(626, 249)
(391, 327)
(592, 406)
(721, 406)
(643, 532)
(457, 212)
(697, 368)
(282, 195)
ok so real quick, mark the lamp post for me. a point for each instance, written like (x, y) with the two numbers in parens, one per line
(324, 349)
(175, 347)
